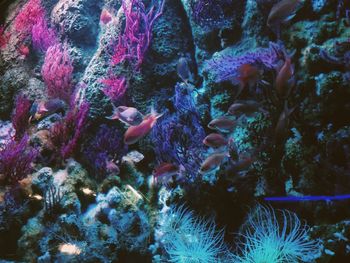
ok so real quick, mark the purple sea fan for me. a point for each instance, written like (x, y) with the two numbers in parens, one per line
(57, 72)
(178, 136)
(106, 146)
(225, 67)
(20, 116)
(16, 160)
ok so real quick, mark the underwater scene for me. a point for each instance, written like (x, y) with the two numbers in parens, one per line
(184, 131)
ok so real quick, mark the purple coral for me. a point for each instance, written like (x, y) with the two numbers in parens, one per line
(65, 135)
(178, 136)
(57, 72)
(136, 38)
(16, 160)
(106, 146)
(226, 67)
(20, 116)
(42, 36)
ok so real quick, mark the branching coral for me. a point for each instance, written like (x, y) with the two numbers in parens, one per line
(178, 136)
(16, 160)
(136, 38)
(190, 239)
(65, 135)
(20, 116)
(57, 72)
(265, 240)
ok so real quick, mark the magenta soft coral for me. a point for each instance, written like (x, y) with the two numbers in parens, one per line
(16, 160)
(29, 15)
(42, 36)
(20, 116)
(135, 40)
(66, 134)
(115, 87)
(57, 72)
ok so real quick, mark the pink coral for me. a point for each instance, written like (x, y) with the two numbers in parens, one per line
(115, 87)
(57, 72)
(42, 36)
(135, 40)
(29, 15)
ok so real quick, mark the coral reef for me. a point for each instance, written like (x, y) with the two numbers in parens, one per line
(143, 130)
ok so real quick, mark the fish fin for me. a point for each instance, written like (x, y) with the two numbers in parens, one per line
(113, 117)
(288, 111)
(154, 113)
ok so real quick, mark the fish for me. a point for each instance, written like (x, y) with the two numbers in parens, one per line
(183, 70)
(134, 133)
(283, 122)
(215, 140)
(223, 124)
(248, 75)
(283, 12)
(128, 115)
(112, 167)
(244, 162)
(165, 171)
(213, 162)
(42, 109)
(23, 50)
(105, 17)
(284, 79)
(247, 107)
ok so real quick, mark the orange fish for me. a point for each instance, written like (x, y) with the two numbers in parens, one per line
(23, 50)
(223, 124)
(165, 171)
(105, 17)
(134, 133)
(282, 12)
(284, 79)
(247, 107)
(283, 122)
(248, 75)
(213, 162)
(215, 140)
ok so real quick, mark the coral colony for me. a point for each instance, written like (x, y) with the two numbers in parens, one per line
(184, 131)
